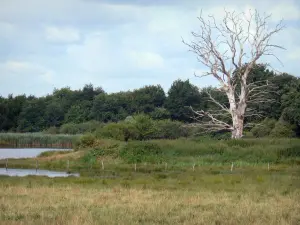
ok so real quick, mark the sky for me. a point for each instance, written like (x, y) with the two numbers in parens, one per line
(118, 45)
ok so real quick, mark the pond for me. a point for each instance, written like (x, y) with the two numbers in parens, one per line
(26, 172)
(18, 153)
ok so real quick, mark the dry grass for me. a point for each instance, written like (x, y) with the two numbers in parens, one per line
(74, 205)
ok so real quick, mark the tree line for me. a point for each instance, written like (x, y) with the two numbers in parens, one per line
(65, 106)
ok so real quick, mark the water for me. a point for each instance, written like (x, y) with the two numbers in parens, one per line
(18, 153)
(26, 172)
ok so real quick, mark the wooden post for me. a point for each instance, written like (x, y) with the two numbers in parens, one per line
(102, 165)
(68, 166)
(231, 167)
(6, 164)
(36, 165)
(194, 166)
(135, 167)
(268, 166)
(166, 166)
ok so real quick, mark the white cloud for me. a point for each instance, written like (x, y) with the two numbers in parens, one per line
(62, 34)
(146, 60)
(93, 55)
(285, 11)
(6, 29)
(109, 43)
(22, 68)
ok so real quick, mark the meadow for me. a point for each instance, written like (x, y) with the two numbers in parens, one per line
(183, 181)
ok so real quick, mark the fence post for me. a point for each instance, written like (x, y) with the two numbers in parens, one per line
(6, 164)
(135, 167)
(166, 166)
(194, 167)
(231, 167)
(68, 166)
(102, 164)
(268, 166)
(36, 165)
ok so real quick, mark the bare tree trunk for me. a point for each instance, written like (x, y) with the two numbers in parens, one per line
(230, 50)
(237, 111)
(237, 127)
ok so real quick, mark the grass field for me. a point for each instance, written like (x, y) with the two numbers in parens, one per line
(158, 194)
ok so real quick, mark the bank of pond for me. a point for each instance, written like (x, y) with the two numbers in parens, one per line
(24, 153)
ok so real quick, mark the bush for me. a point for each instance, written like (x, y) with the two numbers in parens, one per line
(264, 128)
(136, 152)
(122, 131)
(283, 129)
(87, 140)
(68, 128)
(81, 128)
(52, 130)
(144, 126)
(160, 114)
(167, 129)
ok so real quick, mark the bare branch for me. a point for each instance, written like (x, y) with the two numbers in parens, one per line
(234, 46)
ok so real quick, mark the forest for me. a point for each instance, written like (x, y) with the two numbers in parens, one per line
(77, 111)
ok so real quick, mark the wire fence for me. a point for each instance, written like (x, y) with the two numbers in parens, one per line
(108, 169)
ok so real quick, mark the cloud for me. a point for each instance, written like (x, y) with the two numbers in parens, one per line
(285, 11)
(146, 60)
(22, 68)
(62, 34)
(118, 45)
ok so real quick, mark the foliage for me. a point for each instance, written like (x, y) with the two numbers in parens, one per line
(87, 140)
(38, 140)
(167, 129)
(136, 152)
(264, 128)
(283, 129)
(160, 113)
(81, 128)
(69, 111)
(181, 96)
(122, 131)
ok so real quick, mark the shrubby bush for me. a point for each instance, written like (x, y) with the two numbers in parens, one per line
(137, 152)
(81, 128)
(167, 129)
(283, 129)
(264, 128)
(87, 140)
(52, 130)
(122, 131)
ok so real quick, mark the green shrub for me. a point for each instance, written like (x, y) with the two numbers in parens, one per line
(144, 125)
(122, 131)
(52, 130)
(81, 128)
(264, 128)
(87, 140)
(283, 129)
(136, 152)
(69, 128)
(160, 114)
(293, 151)
(167, 129)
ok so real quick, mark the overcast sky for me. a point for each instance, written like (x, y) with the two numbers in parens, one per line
(118, 45)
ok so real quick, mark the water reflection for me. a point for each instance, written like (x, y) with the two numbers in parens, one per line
(17, 153)
(26, 172)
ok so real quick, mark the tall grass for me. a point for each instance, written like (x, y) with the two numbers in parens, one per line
(222, 199)
(31, 140)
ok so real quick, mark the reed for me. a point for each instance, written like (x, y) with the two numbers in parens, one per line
(36, 140)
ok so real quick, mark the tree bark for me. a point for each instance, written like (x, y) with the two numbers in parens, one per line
(238, 127)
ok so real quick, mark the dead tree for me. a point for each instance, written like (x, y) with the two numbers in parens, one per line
(230, 50)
